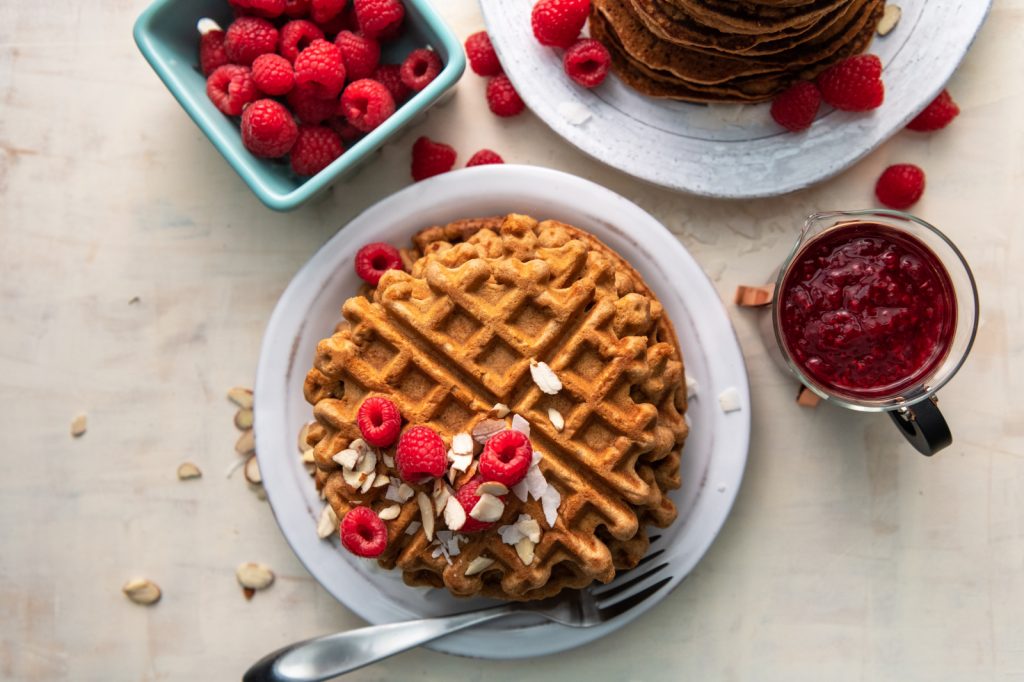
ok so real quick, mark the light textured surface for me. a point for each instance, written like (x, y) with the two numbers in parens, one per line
(847, 557)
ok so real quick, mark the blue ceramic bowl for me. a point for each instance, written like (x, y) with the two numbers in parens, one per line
(167, 36)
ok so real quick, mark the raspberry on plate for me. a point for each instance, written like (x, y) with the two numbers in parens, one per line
(795, 108)
(484, 157)
(296, 36)
(248, 38)
(506, 457)
(379, 421)
(420, 68)
(502, 97)
(211, 51)
(900, 186)
(322, 11)
(937, 115)
(373, 260)
(273, 74)
(230, 88)
(587, 62)
(361, 54)
(468, 497)
(558, 23)
(363, 532)
(390, 75)
(366, 104)
(854, 84)
(379, 18)
(431, 158)
(268, 129)
(309, 106)
(321, 65)
(420, 455)
(314, 149)
(482, 57)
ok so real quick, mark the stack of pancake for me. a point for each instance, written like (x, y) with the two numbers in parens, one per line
(729, 50)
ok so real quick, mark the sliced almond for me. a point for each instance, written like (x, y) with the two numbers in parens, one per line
(360, 446)
(78, 426)
(545, 378)
(556, 419)
(303, 435)
(454, 514)
(492, 488)
(241, 396)
(500, 410)
(890, 17)
(487, 509)
(347, 459)
(243, 420)
(142, 591)
(389, 461)
(368, 482)
(328, 523)
(441, 495)
(390, 512)
(308, 457)
(462, 444)
(254, 576)
(246, 443)
(461, 462)
(521, 425)
(405, 492)
(252, 470)
(483, 431)
(187, 470)
(381, 481)
(479, 565)
(529, 528)
(426, 515)
(524, 548)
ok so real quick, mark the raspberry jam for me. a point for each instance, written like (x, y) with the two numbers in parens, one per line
(866, 310)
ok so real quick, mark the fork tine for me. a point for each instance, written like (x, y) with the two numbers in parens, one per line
(649, 557)
(610, 592)
(629, 602)
(653, 539)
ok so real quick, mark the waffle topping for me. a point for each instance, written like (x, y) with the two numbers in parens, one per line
(478, 565)
(545, 378)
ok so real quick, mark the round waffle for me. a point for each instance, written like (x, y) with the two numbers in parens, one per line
(454, 337)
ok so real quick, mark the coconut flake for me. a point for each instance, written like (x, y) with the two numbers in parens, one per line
(536, 484)
(510, 534)
(691, 387)
(520, 490)
(412, 528)
(545, 378)
(729, 400)
(405, 492)
(454, 514)
(528, 527)
(521, 425)
(550, 501)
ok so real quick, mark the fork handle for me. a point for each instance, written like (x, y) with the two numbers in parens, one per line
(322, 658)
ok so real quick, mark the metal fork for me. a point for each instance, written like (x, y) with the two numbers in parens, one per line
(322, 658)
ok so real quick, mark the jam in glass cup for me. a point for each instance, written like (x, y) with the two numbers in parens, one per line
(876, 311)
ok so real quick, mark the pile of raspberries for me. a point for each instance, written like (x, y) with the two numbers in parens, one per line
(306, 77)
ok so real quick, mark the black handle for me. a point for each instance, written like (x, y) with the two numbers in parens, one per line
(924, 427)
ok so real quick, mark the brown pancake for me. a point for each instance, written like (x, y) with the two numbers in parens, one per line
(757, 20)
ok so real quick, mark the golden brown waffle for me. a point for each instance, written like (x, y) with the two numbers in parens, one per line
(455, 336)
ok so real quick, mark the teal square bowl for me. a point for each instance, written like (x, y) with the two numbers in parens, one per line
(167, 36)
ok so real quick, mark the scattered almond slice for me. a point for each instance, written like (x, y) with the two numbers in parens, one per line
(78, 426)
(252, 470)
(241, 396)
(303, 435)
(492, 488)
(556, 419)
(426, 514)
(368, 482)
(529, 527)
(390, 512)
(890, 17)
(442, 493)
(254, 576)
(479, 565)
(243, 420)
(142, 591)
(462, 444)
(246, 443)
(500, 410)
(454, 514)
(487, 509)
(347, 459)
(524, 548)
(328, 523)
(521, 425)
(389, 461)
(308, 457)
(545, 378)
(188, 470)
(405, 492)
(461, 462)
(381, 481)
(487, 428)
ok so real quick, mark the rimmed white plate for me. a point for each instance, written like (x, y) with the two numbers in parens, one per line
(733, 151)
(713, 459)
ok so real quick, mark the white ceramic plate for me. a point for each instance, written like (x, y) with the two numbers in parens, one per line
(713, 459)
(734, 151)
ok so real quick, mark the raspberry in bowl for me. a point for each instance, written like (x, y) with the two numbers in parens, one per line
(184, 57)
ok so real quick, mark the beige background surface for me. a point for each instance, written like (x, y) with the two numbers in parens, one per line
(847, 556)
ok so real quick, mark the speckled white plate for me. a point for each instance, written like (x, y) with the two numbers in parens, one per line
(713, 459)
(733, 151)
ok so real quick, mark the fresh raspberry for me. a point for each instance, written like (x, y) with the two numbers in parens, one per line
(366, 104)
(361, 54)
(900, 186)
(502, 97)
(373, 260)
(308, 106)
(273, 74)
(296, 36)
(230, 88)
(431, 158)
(484, 157)
(296, 9)
(314, 149)
(248, 38)
(379, 18)
(854, 84)
(420, 68)
(467, 497)
(587, 62)
(211, 51)
(363, 532)
(269, 9)
(937, 115)
(322, 11)
(379, 421)
(345, 130)
(420, 455)
(268, 129)
(482, 57)
(321, 65)
(795, 108)
(506, 457)
(558, 22)
(390, 75)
